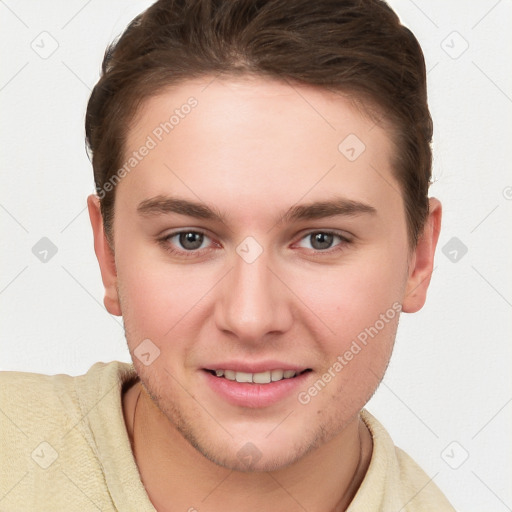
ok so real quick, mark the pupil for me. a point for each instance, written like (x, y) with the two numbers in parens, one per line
(322, 240)
(191, 240)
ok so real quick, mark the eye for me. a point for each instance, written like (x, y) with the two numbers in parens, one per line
(323, 240)
(183, 242)
(188, 243)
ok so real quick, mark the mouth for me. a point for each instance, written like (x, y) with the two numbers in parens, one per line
(268, 383)
(265, 377)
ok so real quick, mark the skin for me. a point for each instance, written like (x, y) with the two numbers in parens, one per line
(253, 148)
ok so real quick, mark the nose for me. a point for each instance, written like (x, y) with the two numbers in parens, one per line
(253, 303)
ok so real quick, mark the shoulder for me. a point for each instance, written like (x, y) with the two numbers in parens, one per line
(29, 396)
(49, 429)
(394, 481)
(418, 487)
(33, 402)
(29, 400)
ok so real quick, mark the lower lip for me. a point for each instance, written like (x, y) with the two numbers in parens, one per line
(244, 394)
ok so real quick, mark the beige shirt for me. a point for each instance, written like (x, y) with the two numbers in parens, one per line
(64, 447)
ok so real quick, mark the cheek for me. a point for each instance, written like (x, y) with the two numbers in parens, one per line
(158, 298)
(353, 293)
(359, 301)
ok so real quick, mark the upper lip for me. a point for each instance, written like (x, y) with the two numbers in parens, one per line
(255, 367)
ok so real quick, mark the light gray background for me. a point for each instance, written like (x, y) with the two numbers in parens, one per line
(447, 394)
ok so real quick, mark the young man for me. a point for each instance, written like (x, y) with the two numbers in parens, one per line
(261, 220)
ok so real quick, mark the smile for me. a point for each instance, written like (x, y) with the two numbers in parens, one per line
(257, 378)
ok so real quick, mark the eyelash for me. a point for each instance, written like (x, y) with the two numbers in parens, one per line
(190, 254)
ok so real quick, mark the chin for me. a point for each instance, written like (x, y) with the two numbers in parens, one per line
(259, 455)
(249, 458)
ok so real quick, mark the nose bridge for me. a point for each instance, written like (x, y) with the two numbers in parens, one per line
(253, 302)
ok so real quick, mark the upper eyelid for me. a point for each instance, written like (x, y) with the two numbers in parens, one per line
(343, 237)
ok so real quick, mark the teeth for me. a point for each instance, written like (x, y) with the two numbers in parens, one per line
(262, 378)
(243, 377)
(229, 374)
(256, 378)
(277, 375)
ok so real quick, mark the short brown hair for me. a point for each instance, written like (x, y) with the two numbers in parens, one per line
(357, 47)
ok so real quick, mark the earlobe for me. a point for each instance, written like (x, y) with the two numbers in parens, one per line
(105, 257)
(422, 260)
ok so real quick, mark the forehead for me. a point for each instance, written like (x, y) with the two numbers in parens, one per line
(253, 139)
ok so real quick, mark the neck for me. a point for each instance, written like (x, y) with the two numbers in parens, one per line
(177, 477)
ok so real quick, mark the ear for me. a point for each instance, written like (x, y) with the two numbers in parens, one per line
(421, 261)
(105, 257)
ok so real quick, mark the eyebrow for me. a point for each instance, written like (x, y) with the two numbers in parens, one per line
(161, 205)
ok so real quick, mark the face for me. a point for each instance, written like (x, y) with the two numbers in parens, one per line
(261, 235)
